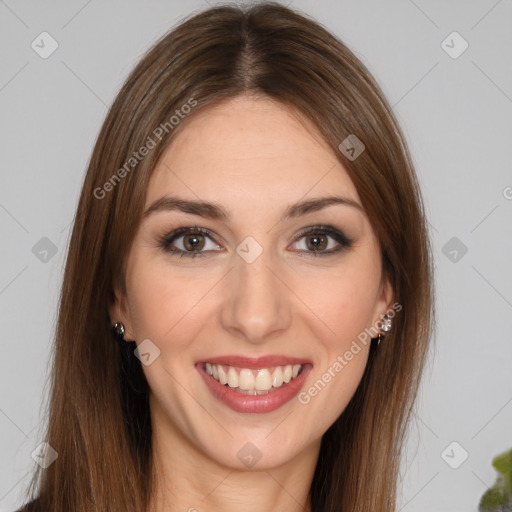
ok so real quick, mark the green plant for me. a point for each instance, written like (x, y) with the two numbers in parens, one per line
(499, 496)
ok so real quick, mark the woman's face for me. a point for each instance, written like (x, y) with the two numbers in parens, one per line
(255, 289)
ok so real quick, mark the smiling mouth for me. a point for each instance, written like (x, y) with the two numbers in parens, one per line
(253, 382)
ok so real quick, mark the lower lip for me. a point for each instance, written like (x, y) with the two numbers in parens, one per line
(241, 402)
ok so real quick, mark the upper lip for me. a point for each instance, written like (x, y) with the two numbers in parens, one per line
(256, 363)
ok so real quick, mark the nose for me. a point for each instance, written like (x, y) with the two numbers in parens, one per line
(257, 304)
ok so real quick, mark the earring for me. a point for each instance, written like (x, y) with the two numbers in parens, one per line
(119, 330)
(386, 324)
(385, 328)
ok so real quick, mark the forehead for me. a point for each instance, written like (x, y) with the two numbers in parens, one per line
(252, 152)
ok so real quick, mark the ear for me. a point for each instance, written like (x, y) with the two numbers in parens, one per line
(384, 300)
(119, 312)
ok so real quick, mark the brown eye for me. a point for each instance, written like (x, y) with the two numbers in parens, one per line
(316, 242)
(193, 242)
(189, 242)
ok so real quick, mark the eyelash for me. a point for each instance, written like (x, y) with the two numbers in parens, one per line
(345, 242)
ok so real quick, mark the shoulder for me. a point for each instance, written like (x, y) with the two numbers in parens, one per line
(30, 507)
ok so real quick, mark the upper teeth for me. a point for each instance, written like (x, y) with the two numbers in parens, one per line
(253, 380)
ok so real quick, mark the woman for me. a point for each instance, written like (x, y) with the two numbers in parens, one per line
(247, 300)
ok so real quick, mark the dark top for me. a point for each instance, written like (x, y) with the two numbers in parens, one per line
(30, 507)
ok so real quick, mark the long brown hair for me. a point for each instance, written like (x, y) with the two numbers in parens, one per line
(98, 410)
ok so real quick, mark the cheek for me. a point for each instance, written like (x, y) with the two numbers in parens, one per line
(163, 301)
(345, 302)
(343, 299)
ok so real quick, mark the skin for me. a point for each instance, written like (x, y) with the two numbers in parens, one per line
(254, 157)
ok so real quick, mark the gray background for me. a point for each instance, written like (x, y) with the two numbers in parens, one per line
(456, 114)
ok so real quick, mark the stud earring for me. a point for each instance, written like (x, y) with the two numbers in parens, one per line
(386, 324)
(119, 330)
(385, 327)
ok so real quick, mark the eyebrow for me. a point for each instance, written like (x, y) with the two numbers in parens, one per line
(218, 212)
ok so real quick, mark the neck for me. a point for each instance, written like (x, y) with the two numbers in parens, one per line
(187, 480)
